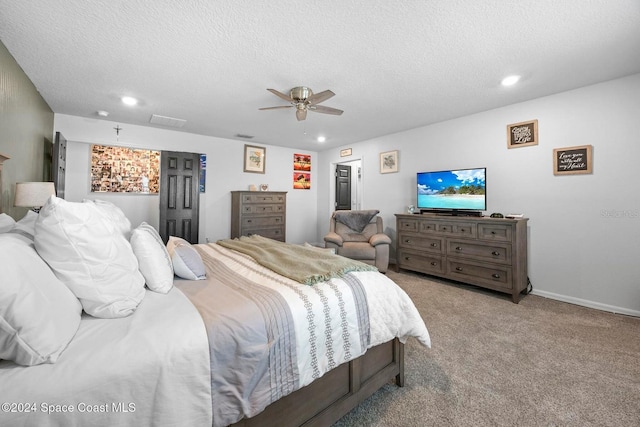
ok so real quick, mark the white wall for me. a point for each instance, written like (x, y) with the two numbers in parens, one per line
(224, 174)
(584, 230)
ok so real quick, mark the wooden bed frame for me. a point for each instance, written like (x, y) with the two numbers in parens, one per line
(327, 399)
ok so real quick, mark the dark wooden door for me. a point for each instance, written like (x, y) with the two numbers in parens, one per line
(343, 187)
(59, 164)
(179, 195)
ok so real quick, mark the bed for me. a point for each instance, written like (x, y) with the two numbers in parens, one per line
(232, 342)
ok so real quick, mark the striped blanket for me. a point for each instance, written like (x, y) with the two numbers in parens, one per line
(270, 335)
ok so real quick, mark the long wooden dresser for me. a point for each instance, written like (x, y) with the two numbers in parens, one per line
(259, 212)
(483, 251)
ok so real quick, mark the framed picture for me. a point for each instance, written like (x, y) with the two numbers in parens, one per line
(203, 172)
(522, 134)
(254, 158)
(389, 161)
(302, 162)
(573, 160)
(346, 152)
(124, 170)
(301, 180)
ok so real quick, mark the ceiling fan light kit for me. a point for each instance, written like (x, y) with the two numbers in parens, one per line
(303, 99)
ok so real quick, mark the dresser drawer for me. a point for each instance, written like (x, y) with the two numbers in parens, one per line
(262, 209)
(500, 253)
(458, 229)
(263, 198)
(262, 221)
(495, 232)
(424, 243)
(419, 261)
(275, 233)
(492, 276)
(408, 225)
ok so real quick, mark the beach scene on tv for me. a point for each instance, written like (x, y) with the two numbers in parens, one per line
(456, 189)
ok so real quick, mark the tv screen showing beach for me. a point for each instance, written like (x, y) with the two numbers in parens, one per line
(454, 189)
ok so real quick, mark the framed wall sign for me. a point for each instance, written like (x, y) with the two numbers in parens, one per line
(389, 161)
(346, 152)
(522, 134)
(573, 160)
(254, 158)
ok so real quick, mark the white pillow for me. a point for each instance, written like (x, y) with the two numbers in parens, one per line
(115, 214)
(187, 262)
(174, 242)
(153, 258)
(38, 314)
(25, 228)
(90, 255)
(6, 223)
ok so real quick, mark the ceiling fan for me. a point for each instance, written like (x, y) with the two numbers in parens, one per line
(303, 99)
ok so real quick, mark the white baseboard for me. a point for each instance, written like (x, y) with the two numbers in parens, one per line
(586, 303)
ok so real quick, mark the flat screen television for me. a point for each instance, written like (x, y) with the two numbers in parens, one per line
(453, 192)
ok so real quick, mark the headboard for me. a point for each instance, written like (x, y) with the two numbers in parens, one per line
(2, 159)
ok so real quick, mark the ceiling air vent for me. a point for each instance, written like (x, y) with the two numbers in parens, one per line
(167, 121)
(241, 135)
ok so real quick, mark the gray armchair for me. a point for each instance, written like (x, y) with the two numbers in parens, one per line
(359, 235)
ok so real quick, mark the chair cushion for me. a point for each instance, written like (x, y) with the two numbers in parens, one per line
(348, 234)
(357, 250)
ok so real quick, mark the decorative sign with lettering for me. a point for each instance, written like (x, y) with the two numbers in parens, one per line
(573, 160)
(522, 134)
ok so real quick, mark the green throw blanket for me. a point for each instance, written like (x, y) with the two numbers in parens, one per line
(299, 263)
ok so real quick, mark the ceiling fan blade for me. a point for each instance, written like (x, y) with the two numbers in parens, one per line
(317, 98)
(275, 108)
(301, 114)
(325, 110)
(281, 95)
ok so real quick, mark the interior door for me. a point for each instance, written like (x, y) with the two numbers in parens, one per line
(343, 187)
(179, 195)
(59, 164)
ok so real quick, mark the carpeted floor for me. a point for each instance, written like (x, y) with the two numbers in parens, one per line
(494, 363)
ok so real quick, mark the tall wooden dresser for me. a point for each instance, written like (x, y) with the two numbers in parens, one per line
(259, 212)
(486, 252)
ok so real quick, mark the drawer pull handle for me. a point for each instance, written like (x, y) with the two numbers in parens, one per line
(406, 258)
(495, 275)
(496, 253)
(493, 232)
(407, 241)
(248, 220)
(434, 263)
(458, 248)
(444, 228)
(277, 219)
(458, 268)
(433, 245)
(462, 230)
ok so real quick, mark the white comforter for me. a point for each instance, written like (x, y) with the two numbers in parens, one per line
(151, 368)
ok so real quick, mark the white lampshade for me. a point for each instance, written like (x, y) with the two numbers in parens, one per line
(33, 194)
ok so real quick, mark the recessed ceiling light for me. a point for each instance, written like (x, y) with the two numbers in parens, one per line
(103, 113)
(510, 80)
(129, 100)
(321, 139)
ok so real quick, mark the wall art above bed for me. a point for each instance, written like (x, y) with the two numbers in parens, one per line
(124, 170)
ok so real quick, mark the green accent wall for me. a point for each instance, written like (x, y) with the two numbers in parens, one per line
(26, 124)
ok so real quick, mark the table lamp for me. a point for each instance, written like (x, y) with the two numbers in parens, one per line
(33, 194)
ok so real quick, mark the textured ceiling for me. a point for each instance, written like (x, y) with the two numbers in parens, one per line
(394, 65)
